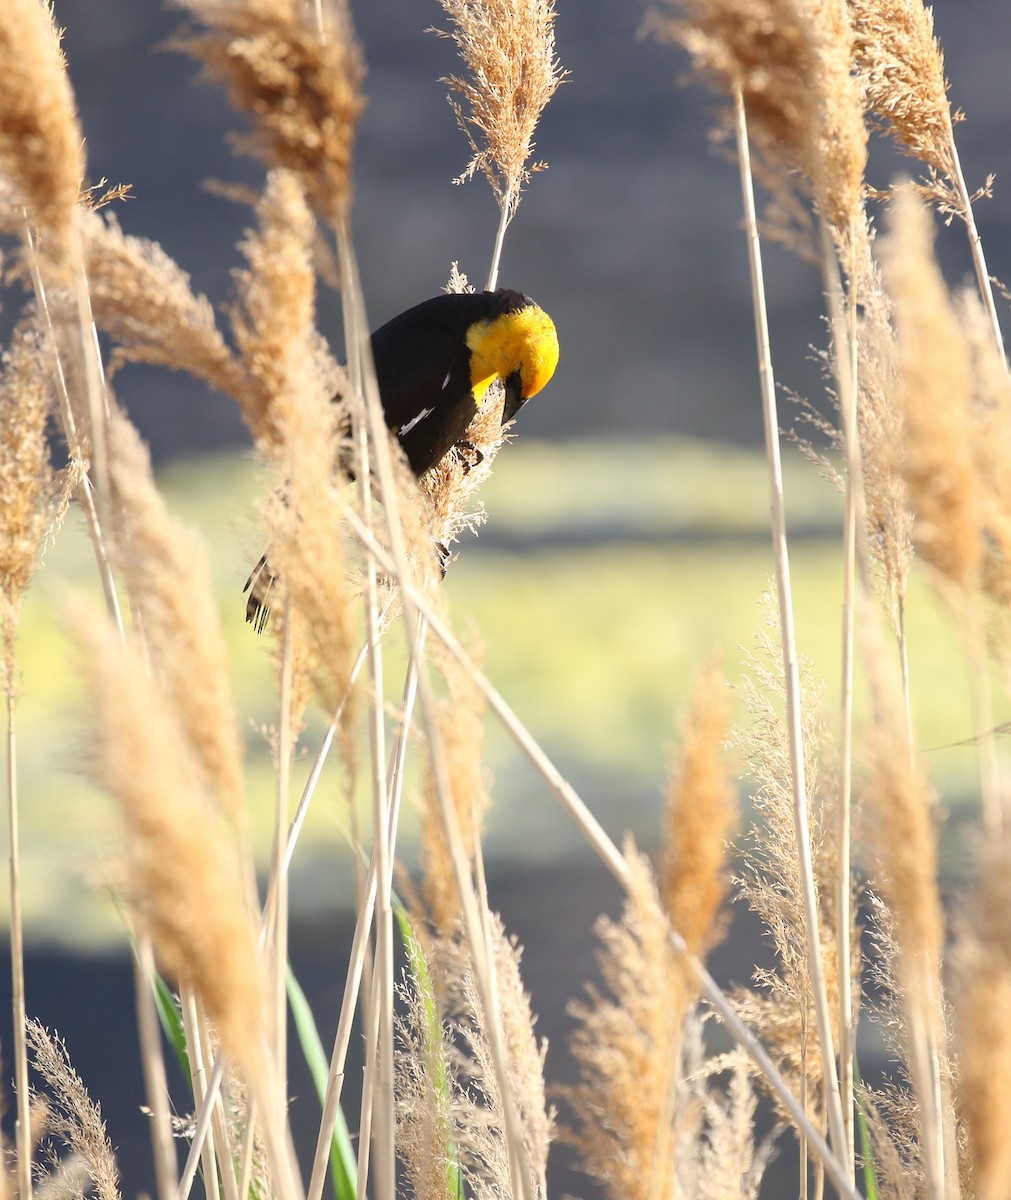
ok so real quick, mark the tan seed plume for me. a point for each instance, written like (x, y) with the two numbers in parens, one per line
(790, 61)
(274, 321)
(185, 885)
(508, 47)
(168, 578)
(901, 68)
(25, 475)
(935, 396)
(40, 141)
(700, 817)
(144, 301)
(300, 85)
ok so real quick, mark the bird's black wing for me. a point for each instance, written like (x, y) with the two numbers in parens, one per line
(423, 369)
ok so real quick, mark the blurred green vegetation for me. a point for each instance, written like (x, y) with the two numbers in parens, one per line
(605, 575)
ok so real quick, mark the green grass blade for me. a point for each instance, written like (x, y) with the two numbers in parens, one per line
(343, 1161)
(866, 1147)
(171, 1018)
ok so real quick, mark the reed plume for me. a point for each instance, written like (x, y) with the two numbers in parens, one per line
(168, 578)
(935, 397)
(72, 1117)
(508, 48)
(299, 81)
(26, 479)
(700, 817)
(185, 887)
(40, 140)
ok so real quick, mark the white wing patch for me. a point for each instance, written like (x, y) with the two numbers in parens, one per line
(406, 429)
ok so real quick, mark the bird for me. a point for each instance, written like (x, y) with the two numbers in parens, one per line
(435, 363)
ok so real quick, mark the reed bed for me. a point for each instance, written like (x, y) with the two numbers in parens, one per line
(843, 827)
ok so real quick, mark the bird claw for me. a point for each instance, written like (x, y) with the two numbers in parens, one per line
(460, 451)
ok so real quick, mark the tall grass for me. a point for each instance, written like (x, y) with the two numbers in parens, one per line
(454, 1098)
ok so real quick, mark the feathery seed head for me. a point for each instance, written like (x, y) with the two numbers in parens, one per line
(301, 85)
(40, 142)
(508, 47)
(935, 395)
(186, 887)
(901, 69)
(25, 474)
(701, 815)
(790, 60)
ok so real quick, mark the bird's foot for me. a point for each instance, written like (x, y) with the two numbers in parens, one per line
(460, 450)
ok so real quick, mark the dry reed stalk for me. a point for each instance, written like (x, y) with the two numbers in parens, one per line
(185, 886)
(40, 141)
(508, 48)
(72, 1116)
(983, 1022)
(903, 847)
(627, 1046)
(299, 82)
(701, 815)
(26, 492)
(168, 577)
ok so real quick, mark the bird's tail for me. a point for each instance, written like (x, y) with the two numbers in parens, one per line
(259, 585)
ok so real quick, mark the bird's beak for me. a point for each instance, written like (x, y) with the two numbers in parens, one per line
(514, 398)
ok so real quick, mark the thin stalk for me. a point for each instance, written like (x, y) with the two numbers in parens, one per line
(84, 492)
(23, 1129)
(506, 209)
(279, 941)
(976, 251)
(379, 1068)
(612, 859)
(352, 983)
(198, 1082)
(153, 1063)
(846, 357)
(791, 671)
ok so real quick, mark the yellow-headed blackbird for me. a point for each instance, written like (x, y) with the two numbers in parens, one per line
(434, 364)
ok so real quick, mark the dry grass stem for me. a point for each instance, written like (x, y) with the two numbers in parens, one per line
(701, 816)
(508, 48)
(935, 396)
(168, 577)
(299, 83)
(627, 1045)
(41, 147)
(185, 886)
(73, 1117)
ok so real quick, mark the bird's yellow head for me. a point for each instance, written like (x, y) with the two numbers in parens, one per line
(521, 342)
